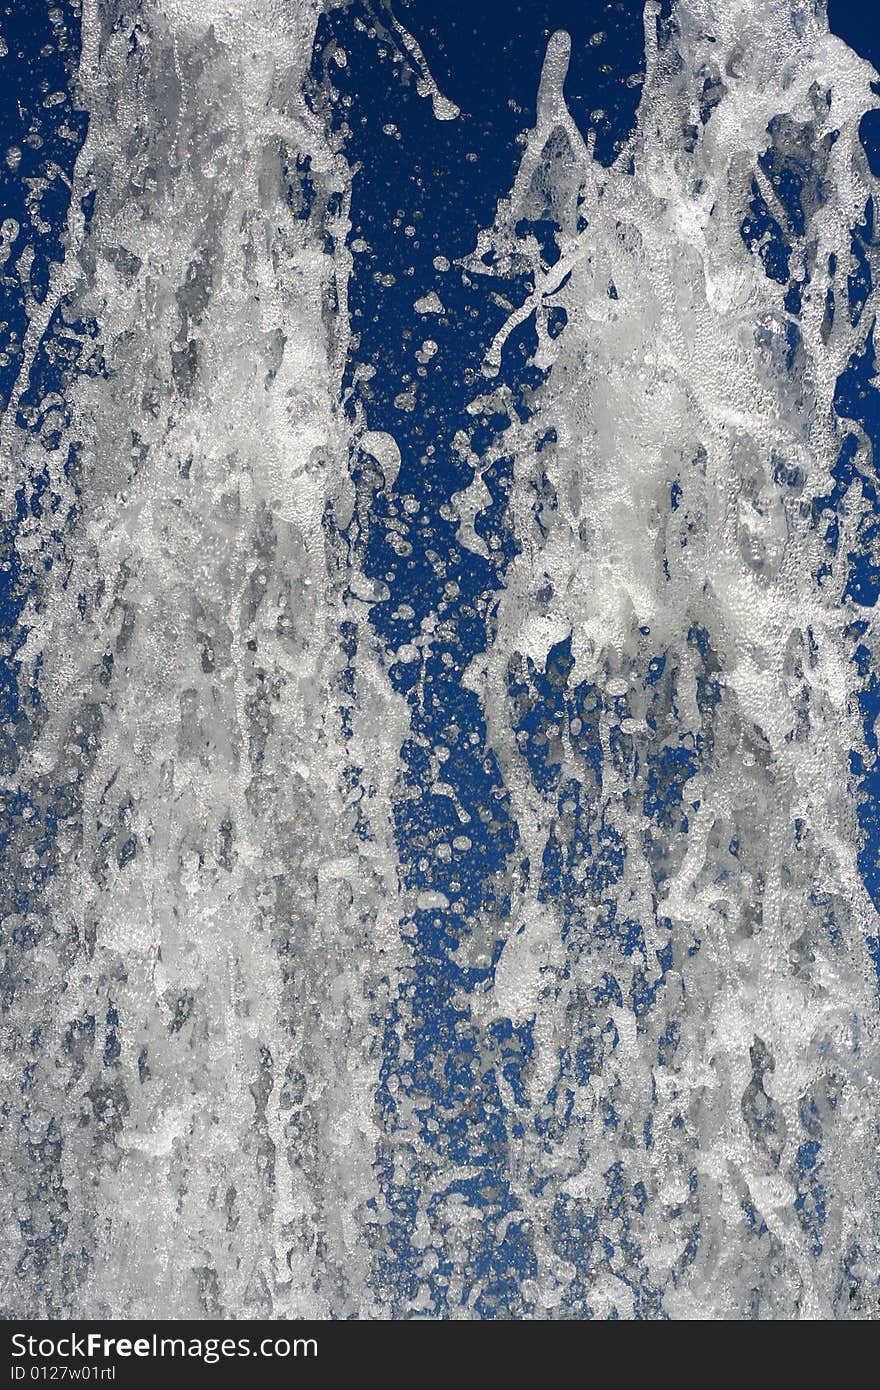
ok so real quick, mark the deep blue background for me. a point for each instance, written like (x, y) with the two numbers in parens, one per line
(443, 180)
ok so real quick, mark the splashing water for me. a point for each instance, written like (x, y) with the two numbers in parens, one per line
(192, 989)
(206, 939)
(692, 931)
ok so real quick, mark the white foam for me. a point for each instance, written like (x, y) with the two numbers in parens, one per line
(671, 373)
(228, 886)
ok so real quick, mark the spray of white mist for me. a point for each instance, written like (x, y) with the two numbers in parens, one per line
(668, 533)
(191, 1015)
